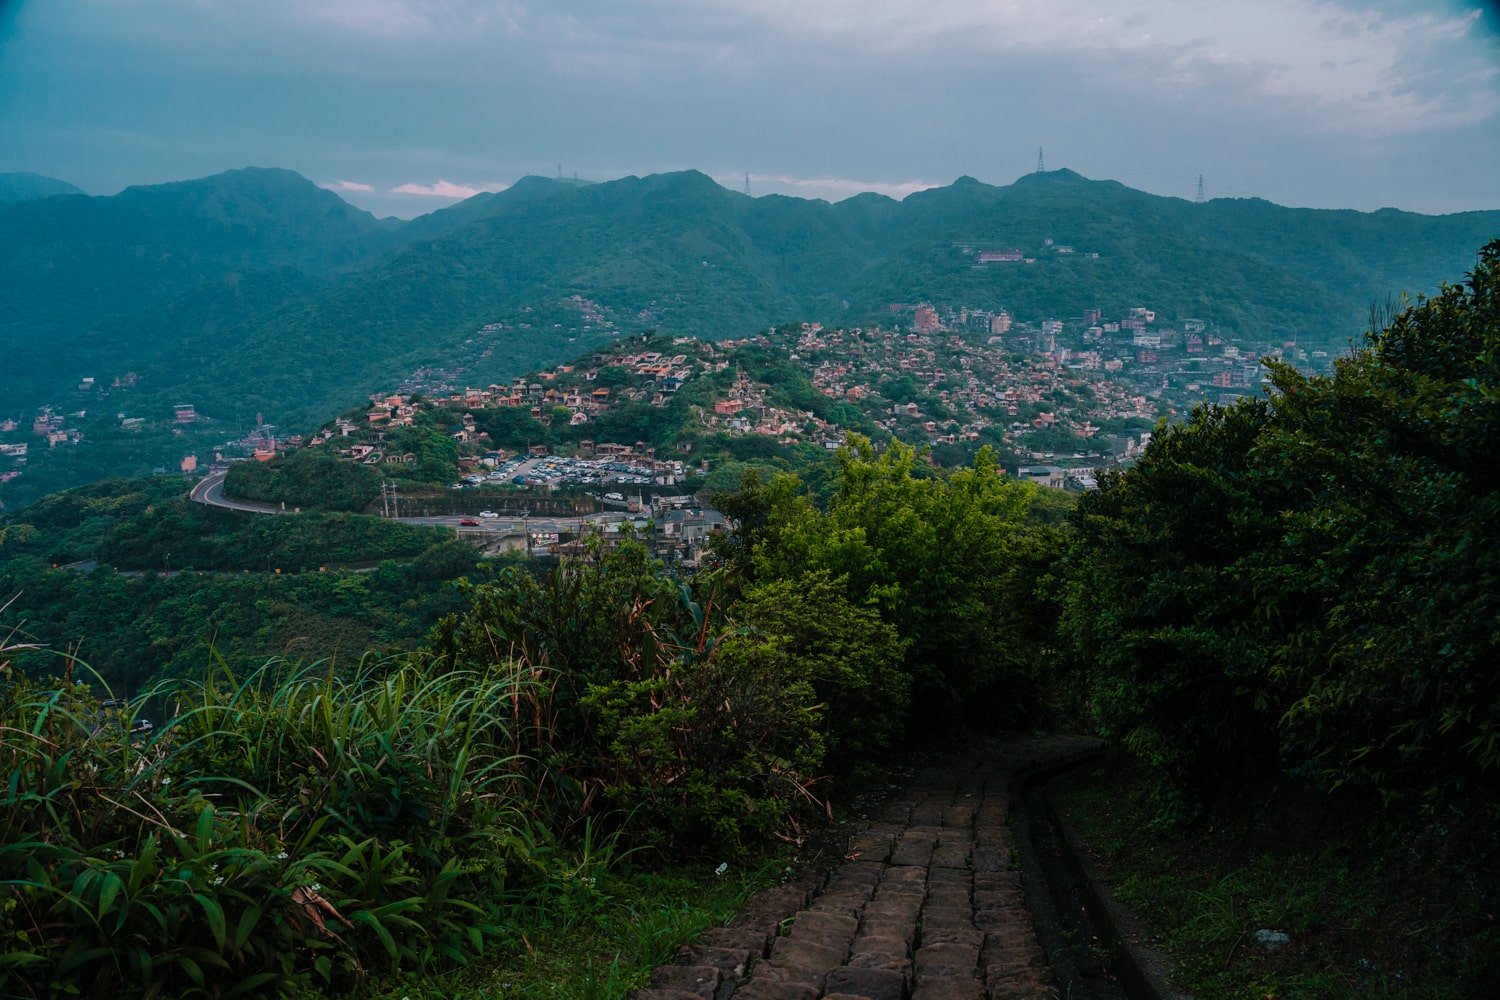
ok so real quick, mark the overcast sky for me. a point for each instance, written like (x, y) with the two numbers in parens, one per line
(404, 105)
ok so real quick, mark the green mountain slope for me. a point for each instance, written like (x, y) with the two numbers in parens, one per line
(69, 265)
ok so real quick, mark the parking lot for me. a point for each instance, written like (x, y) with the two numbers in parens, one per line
(553, 470)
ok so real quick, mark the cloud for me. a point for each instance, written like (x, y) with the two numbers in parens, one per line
(354, 186)
(1363, 67)
(1345, 63)
(446, 189)
(831, 188)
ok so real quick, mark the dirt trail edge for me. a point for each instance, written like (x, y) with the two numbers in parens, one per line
(928, 904)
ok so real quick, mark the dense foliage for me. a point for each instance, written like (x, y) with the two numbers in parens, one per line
(1310, 582)
(937, 557)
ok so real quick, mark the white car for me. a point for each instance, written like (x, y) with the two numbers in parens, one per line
(488, 514)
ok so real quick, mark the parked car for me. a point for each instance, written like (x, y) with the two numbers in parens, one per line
(469, 522)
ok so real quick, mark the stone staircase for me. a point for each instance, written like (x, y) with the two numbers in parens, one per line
(928, 904)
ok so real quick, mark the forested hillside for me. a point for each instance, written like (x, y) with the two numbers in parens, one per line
(256, 292)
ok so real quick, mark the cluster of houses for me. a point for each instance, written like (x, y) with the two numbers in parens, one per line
(49, 425)
(975, 385)
(653, 377)
(679, 530)
(746, 410)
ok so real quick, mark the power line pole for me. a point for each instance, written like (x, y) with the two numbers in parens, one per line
(747, 184)
(1040, 168)
(1200, 189)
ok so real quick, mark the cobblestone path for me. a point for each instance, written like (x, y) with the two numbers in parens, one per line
(927, 905)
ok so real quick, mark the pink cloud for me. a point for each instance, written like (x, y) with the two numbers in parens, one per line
(832, 188)
(354, 186)
(445, 189)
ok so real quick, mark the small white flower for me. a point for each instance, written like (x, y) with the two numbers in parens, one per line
(281, 855)
(167, 780)
(316, 887)
(723, 867)
(218, 880)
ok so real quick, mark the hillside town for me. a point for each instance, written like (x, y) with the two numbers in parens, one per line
(1059, 398)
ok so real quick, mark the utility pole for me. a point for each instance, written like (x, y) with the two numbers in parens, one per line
(747, 184)
(1040, 168)
(1200, 189)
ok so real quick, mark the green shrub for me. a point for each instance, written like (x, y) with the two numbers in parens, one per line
(699, 738)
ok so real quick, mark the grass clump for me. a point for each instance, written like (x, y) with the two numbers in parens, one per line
(598, 945)
(293, 830)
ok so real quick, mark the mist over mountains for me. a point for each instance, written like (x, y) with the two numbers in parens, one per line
(258, 291)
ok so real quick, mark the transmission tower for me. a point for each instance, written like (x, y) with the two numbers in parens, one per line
(1200, 189)
(747, 184)
(1039, 167)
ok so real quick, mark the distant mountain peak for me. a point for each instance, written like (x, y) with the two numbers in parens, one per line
(26, 186)
(688, 179)
(1062, 175)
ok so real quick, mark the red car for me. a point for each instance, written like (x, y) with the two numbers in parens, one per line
(469, 522)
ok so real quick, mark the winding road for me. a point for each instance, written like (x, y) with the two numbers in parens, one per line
(210, 492)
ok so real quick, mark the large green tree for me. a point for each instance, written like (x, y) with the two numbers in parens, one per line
(1311, 580)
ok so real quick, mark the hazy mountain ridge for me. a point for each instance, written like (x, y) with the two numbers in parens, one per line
(26, 186)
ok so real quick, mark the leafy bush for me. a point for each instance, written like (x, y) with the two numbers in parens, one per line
(709, 749)
(1160, 610)
(850, 658)
(700, 737)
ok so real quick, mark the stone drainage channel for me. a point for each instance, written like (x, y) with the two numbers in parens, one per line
(947, 896)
